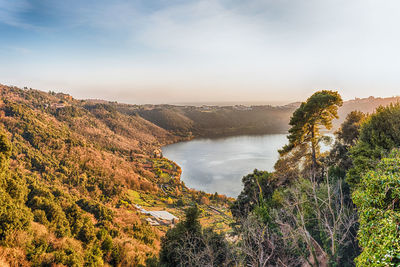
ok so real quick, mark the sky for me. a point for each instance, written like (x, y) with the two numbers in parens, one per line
(185, 51)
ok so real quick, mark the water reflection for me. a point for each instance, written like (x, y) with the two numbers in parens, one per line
(218, 165)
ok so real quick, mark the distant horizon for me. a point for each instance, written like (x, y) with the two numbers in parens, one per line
(200, 103)
(221, 102)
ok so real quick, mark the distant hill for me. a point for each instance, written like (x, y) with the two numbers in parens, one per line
(212, 121)
(366, 105)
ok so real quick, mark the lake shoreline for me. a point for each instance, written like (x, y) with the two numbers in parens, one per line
(236, 162)
(218, 164)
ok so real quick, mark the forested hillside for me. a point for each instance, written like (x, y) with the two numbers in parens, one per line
(72, 173)
(83, 183)
(209, 121)
(220, 121)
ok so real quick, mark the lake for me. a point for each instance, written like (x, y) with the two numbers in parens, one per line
(218, 165)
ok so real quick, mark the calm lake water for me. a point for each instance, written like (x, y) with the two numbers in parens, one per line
(218, 165)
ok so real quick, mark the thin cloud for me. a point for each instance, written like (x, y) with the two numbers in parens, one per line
(10, 12)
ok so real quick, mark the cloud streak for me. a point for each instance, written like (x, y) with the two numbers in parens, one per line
(10, 12)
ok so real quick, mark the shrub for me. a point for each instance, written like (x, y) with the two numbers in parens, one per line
(13, 215)
(99, 211)
(377, 200)
(378, 136)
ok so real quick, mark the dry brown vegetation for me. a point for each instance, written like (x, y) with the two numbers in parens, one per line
(78, 168)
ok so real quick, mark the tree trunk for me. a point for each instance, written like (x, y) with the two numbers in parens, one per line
(313, 149)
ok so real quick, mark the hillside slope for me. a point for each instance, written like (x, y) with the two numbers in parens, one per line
(212, 121)
(77, 171)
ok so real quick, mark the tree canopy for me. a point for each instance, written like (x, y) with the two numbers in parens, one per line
(188, 244)
(318, 111)
(379, 134)
(346, 137)
(254, 184)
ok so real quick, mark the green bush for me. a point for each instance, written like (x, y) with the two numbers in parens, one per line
(100, 211)
(14, 216)
(94, 257)
(377, 200)
(87, 233)
(40, 217)
(379, 134)
(54, 214)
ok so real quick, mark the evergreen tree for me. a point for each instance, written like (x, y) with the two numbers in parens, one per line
(187, 244)
(318, 111)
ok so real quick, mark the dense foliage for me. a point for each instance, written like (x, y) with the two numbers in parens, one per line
(377, 200)
(71, 173)
(255, 185)
(346, 138)
(188, 244)
(379, 135)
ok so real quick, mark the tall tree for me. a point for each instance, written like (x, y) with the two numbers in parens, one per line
(350, 129)
(346, 137)
(188, 244)
(318, 111)
(254, 184)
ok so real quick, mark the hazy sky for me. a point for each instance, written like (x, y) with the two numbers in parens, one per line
(175, 51)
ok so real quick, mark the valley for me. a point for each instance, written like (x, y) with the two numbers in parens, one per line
(83, 169)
